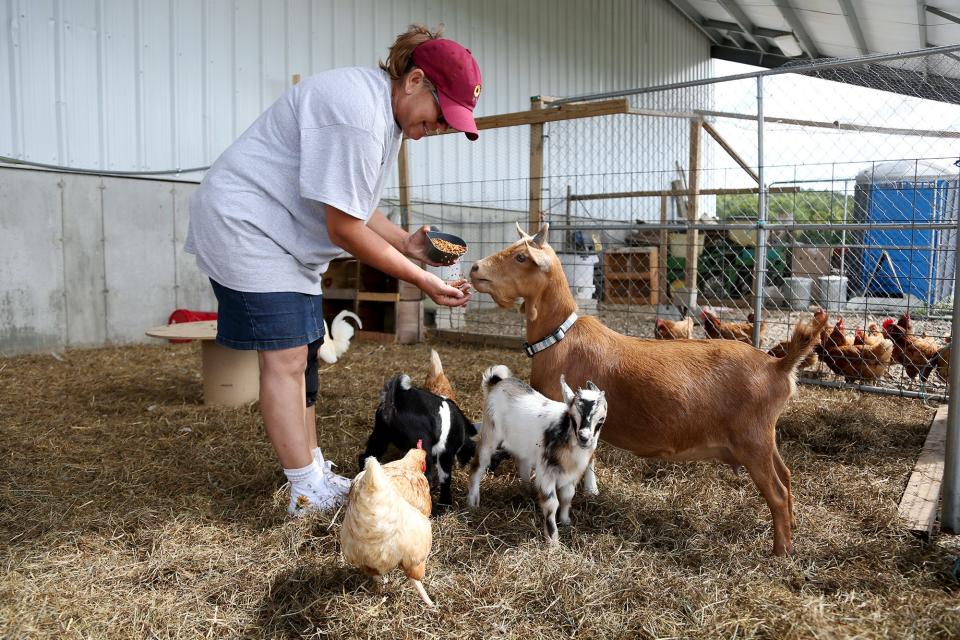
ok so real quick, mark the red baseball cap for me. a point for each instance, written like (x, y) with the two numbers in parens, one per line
(454, 72)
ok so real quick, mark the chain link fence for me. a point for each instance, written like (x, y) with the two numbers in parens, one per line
(658, 214)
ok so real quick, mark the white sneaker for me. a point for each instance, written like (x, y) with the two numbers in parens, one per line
(339, 483)
(324, 498)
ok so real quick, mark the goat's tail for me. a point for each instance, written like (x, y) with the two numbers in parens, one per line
(388, 397)
(805, 337)
(493, 375)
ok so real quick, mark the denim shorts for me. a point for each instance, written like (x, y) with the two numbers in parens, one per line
(267, 321)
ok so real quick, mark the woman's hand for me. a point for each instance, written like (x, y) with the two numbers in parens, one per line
(415, 246)
(455, 294)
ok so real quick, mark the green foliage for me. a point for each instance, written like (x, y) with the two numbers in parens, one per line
(804, 207)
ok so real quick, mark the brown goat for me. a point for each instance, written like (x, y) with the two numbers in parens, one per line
(671, 399)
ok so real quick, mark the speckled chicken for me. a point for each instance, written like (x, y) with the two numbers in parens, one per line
(387, 519)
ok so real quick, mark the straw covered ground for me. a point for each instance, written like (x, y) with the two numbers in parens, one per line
(128, 509)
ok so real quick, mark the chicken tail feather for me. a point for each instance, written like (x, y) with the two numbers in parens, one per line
(422, 592)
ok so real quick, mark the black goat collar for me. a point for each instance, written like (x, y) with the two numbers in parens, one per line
(552, 339)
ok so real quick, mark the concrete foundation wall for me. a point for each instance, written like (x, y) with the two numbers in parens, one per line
(87, 260)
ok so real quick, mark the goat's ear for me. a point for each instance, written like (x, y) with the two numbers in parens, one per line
(541, 236)
(540, 258)
(565, 390)
(592, 386)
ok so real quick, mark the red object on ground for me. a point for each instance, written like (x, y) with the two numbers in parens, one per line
(186, 315)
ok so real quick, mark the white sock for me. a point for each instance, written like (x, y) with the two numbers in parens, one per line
(317, 455)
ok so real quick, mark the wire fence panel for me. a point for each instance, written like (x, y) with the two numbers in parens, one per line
(656, 215)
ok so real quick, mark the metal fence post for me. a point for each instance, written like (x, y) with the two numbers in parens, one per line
(760, 250)
(950, 515)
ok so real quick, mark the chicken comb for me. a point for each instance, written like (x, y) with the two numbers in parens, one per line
(889, 322)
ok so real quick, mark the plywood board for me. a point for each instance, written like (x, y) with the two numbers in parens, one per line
(918, 507)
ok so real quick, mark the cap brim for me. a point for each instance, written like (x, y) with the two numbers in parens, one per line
(458, 116)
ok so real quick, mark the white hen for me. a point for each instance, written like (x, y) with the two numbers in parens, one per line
(337, 338)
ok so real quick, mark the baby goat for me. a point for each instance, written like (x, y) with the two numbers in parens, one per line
(407, 414)
(557, 439)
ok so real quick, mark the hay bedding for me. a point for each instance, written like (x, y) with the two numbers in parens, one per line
(127, 509)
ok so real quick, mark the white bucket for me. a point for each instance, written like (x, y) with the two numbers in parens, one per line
(832, 291)
(796, 292)
(578, 268)
(583, 292)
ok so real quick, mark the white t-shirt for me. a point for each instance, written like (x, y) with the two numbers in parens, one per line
(258, 220)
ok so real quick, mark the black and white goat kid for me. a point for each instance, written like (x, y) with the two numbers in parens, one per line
(555, 439)
(407, 414)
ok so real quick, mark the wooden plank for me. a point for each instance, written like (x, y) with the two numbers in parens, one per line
(376, 336)
(339, 293)
(552, 113)
(733, 154)
(536, 171)
(918, 506)
(377, 296)
(455, 337)
(200, 330)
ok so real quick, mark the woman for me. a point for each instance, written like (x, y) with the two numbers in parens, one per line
(296, 189)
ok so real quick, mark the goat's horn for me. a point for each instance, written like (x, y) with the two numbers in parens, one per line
(523, 234)
(541, 236)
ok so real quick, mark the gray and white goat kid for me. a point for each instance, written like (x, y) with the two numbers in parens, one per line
(557, 440)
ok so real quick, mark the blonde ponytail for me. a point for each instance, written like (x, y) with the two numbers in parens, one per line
(400, 59)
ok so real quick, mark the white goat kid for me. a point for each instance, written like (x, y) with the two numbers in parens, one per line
(556, 439)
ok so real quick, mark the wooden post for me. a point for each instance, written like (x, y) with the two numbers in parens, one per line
(409, 307)
(403, 174)
(662, 283)
(693, 235)
(536, 168)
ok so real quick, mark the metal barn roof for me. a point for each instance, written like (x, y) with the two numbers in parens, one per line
(774, 32)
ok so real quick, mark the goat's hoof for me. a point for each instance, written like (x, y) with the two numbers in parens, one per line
(593, 492)
(783, 551)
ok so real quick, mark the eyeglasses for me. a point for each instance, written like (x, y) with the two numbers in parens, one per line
(440, 118)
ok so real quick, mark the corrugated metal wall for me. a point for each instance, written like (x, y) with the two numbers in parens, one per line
(158, 84)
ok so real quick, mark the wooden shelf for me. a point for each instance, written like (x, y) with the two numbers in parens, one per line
(630, 275)
(375, 297)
